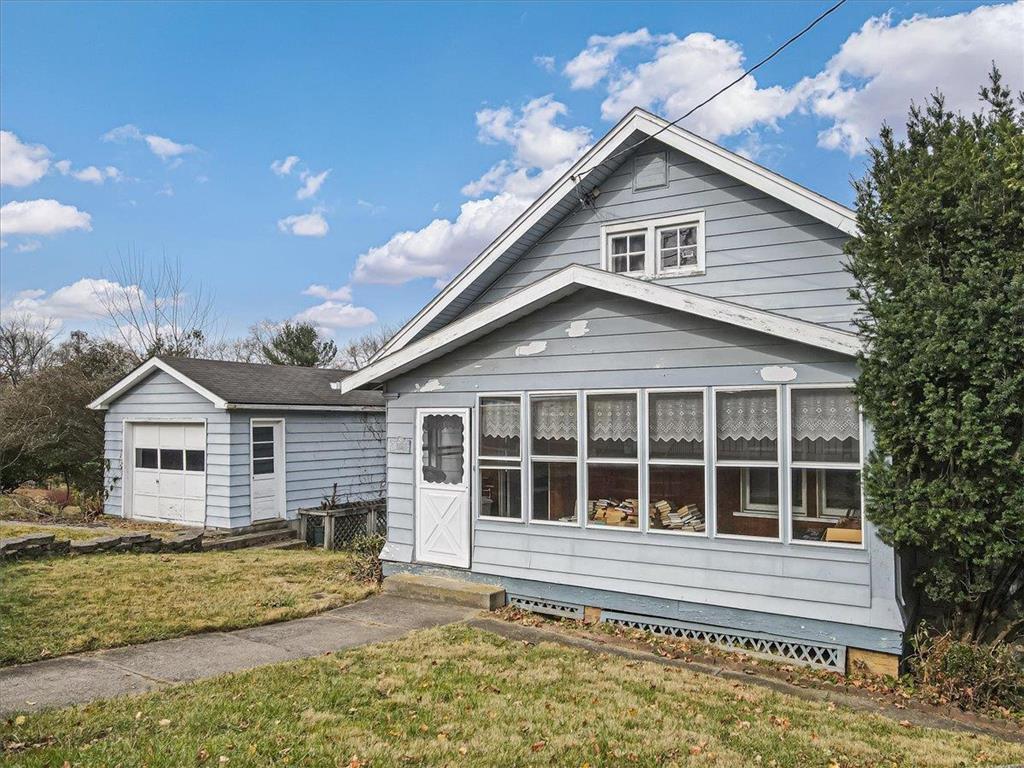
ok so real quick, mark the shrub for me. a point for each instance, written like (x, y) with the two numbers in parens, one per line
(970, 675)
(365, 565)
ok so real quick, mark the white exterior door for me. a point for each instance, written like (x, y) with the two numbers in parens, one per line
(267, 469)
(169, 472)
(442, 486)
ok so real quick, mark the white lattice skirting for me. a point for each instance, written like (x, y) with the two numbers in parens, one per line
(778, 648)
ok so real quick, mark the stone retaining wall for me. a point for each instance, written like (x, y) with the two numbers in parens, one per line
(36, 545)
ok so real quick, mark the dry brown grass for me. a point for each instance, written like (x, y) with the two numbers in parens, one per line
(63, 605)
(459, 696)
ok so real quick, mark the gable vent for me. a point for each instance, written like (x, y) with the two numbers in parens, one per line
(650, 171)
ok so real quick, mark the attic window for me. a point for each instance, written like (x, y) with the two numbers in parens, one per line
(650, 171)
(669, 246)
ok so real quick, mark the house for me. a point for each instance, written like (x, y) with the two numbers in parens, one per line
(636, 403)
(227, 445)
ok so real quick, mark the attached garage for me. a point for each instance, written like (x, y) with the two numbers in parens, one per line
(225, 445)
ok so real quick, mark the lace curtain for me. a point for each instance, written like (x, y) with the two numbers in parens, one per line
(828, 414)
(676, 416)
(747, 416)
(611, 417)
(500, 418)
(553, 418)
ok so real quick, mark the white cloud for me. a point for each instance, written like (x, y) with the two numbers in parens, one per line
(162, 147)
(547, 63)
(166, 191)
(373, 208)
(324, 292)
(333, 314)
(91, 174)
(593, 63)
(311, 183)
(82, 300)
(21, 164)
(41, 217)
(284, 167)
(28, 246)
(884, 65)
(541, 152)
(305, 225)
(686, 71)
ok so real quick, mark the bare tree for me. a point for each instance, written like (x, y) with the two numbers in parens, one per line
(245, 349)
(26, 344)
(357, 352)
(153, 311)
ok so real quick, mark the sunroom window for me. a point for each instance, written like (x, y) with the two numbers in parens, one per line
(500, 460)
(628, 252)
(825, 460)
(747, 463)
(554, 458)
(675, 453)
(613, 468)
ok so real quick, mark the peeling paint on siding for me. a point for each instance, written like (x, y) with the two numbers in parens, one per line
(777, 373)
(433, 385)
(533, 348)
(577, 328)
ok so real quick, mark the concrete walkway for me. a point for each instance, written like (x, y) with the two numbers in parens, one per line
(86, 677)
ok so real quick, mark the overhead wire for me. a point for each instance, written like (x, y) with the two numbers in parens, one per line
(578, 177)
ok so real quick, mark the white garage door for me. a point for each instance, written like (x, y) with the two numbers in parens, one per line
(169, 475)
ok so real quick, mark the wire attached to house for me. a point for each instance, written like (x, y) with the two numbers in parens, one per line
(578, 178)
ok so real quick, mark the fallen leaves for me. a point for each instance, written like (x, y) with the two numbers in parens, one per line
(537, 746)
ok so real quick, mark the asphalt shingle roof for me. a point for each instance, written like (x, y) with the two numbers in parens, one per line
(257, 384)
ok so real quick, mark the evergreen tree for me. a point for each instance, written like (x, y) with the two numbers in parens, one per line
(939, 265)
(300, 344)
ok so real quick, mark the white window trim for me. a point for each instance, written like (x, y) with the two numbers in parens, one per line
(777, 464)
(858, 466)
(531, 458)
(500, 462)
(703, 463)
(651, 227)
(588, 461)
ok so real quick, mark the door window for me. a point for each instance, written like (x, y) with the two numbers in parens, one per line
(442, 446)
(262, 450)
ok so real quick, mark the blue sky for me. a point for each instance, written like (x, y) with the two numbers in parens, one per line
(404, 105)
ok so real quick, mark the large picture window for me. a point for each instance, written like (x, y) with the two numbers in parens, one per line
(613, 468)
(825, 459)
(554, 458)
(747, 463)
(675, 451)
(500, 461)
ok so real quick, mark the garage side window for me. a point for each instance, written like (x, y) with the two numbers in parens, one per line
(195, 461)
(262, 450)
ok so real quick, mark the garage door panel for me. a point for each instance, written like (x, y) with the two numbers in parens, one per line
(172, 435)
(145, 506)
(194, 437)
(195, 510)
(170, 508)
(147, 436)
(147, 482)
(195, 485)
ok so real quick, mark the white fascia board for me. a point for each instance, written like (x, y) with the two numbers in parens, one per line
(575, 277)
(103, 402)
(759, 177)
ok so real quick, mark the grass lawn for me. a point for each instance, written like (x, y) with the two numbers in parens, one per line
(9, 530)
(460, 696)
(62, 605)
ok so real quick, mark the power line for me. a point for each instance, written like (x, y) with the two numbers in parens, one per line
(579, 176)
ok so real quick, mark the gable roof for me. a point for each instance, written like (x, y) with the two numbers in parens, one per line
(599, 162)
(575, 277)
(229, 384)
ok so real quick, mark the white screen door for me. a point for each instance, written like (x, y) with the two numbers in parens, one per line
(442, 486)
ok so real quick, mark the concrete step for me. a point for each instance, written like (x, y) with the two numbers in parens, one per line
(289, 544)
(443, 590)
(243, 540)
(261, 527)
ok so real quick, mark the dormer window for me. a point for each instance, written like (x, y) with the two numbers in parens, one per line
(669, 246)
(628, 252)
